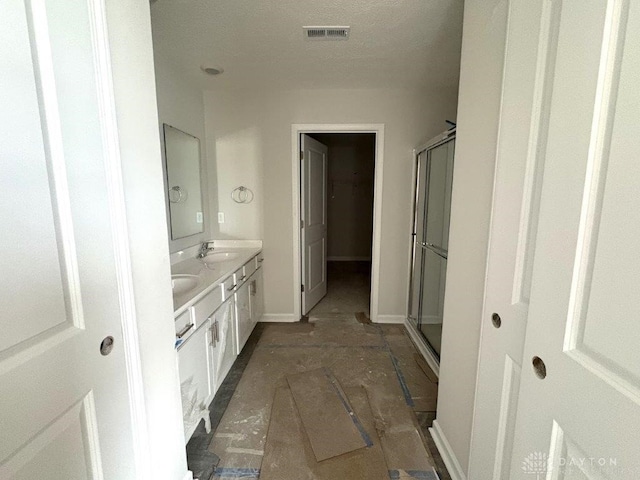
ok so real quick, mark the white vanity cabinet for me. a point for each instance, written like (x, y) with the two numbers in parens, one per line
(256, 293)
(223, 341)
(243, 314)
(211, 330)
(197, 362)
(249, 298)
(195, 366)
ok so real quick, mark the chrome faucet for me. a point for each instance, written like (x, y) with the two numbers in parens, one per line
(205, 249)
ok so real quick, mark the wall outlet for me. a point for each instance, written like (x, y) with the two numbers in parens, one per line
(220, 217)
(199, 217)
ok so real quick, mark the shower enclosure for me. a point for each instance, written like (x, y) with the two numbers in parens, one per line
(430, 238)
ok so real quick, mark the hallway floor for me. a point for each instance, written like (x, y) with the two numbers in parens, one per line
(378, 360)
(348, 289)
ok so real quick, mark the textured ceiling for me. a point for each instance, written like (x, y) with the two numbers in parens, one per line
(259, 43)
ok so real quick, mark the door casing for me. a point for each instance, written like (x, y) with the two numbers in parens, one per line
(296, 130)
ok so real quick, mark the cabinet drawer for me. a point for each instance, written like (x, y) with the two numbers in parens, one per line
(239, 276)
(228, 286)
(250, 267)
(184, 327)
(207, 305)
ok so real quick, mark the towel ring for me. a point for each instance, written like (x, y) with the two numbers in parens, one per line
(182, 195)
(242, 195)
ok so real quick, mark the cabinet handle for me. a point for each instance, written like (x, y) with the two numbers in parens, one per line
(260, 260)
(214, 333)
(184, 331)
(231, 288)
(243, 277)
(216, 330)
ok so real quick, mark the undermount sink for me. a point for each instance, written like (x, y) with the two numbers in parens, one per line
(183, 283)
(218, 257)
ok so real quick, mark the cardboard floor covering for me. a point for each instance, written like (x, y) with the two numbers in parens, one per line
(288, 453)
(325, 412)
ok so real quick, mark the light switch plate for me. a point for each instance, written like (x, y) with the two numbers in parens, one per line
(198, 217)
(220, 217)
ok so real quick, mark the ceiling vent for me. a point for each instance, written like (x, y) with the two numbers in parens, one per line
(326, 33)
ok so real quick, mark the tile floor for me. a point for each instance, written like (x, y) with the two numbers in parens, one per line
(378, 357)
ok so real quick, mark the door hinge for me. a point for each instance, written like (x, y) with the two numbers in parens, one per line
(301, 155)
(302, 286)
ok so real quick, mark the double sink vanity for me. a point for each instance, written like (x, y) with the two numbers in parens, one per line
(217, 299)
(217, 285)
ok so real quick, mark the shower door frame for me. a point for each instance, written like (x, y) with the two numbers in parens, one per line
(416, 335)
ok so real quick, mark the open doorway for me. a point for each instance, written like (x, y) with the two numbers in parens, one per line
(350, 179)
(336, 186)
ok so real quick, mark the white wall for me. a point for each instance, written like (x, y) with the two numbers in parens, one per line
(135, 98)
(249, 138)
(479, 102)
(234, 126)
(350, 194)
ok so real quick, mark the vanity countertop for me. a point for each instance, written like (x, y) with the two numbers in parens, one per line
(209, 275)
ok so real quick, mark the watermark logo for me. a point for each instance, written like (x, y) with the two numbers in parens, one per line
(539, 464)
(536, 463)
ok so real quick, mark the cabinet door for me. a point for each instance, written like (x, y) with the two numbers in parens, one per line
(224, 345)
(257, 296)
(243, 315)
(195, 364)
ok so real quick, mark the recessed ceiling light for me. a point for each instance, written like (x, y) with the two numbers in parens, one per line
(212, 70)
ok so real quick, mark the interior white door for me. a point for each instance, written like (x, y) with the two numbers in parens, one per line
(314, 222)
(579, 401)
(527, 67)
(64, 405)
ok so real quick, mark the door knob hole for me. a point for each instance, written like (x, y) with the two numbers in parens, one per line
(496, 320)
(539, 367)
(106, 345)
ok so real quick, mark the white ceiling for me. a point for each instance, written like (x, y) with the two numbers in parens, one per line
(260, 43)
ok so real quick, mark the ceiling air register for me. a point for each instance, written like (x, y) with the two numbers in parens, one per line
(326, 33)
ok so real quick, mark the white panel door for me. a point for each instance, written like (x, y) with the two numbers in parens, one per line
(314, 222)
(64, 406)
(579, 403)
(528, 69)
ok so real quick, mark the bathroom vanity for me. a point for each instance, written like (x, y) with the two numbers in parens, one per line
(217, 302)
(217, 285)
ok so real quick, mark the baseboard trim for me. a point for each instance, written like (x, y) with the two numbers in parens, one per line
(278, 318)
(421, 345)
(348, 259)
(446, 452)
(389, 319)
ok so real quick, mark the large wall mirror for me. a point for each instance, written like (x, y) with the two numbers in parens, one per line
(184, 186)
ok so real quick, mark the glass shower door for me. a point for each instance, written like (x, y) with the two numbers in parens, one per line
(434, 268)
(431, 241)
(418, 233)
